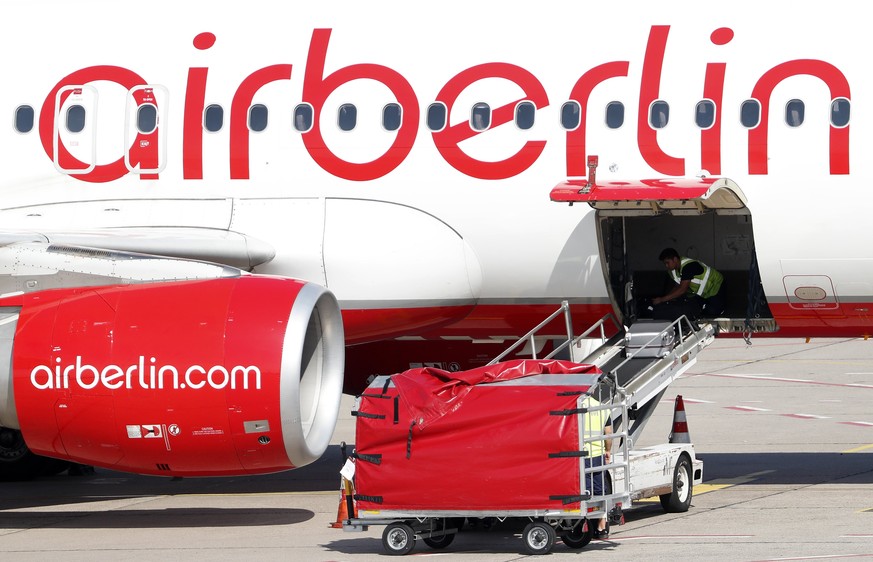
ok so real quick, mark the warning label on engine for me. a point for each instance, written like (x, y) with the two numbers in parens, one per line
(144, 431)
(151, 431)
(208, 431)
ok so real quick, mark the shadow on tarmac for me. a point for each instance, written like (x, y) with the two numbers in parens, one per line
(173, 518)
(105, 485)
(323, 476)
(500, 538)
(790, 468)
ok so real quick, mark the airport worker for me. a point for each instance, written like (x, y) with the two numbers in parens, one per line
(698, 290)
(598, 422)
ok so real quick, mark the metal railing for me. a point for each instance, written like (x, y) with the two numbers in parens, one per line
(571, 340)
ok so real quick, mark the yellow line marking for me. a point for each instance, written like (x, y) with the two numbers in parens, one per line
(859, 449)
(716, 485)
(699, 489)
(723, 483)
(741, 479)
(704, 488)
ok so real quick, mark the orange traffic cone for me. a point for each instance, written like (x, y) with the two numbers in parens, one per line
(679, 434)
(342, 512)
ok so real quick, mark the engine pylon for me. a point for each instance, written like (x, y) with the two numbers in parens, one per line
(679, 433)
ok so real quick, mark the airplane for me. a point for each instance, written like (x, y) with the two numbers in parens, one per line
(214, 221)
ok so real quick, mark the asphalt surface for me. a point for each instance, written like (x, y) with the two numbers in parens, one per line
(785, 429)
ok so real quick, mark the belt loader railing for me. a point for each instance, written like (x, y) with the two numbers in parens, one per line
(571, 340)
(599, 476)
(605, 477)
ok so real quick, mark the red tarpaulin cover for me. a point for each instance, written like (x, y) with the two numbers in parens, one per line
(473, 440)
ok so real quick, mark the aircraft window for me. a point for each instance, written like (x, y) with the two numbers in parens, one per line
(794, 113)
(480, 116)
(392, 116)
(570, 115)
(258, 117)
(704, 114)
(347, 116)
(213, 118)
(76, 119)
(750, 114)
(614, 114)
(525, 113)
(436, 116)
(839, 112)
(659, 114)
(24, 119)
(303, 117)
(146, 118)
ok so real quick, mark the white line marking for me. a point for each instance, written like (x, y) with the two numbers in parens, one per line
(821, 557)
(644, 537)
(766, 378)
(806, 416)
(747, 409)
(12, 318)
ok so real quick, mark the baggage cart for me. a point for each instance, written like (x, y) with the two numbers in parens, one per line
(506, 441)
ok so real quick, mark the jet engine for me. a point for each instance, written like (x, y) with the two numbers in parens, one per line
(225, 376)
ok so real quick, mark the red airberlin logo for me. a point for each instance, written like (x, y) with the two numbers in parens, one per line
(319, 83)
(147, 375)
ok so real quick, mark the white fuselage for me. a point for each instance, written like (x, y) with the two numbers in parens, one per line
(417, 217)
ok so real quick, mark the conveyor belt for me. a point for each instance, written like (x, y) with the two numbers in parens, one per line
(644, 379)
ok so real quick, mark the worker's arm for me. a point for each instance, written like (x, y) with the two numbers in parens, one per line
(607, 444)
(678, 291)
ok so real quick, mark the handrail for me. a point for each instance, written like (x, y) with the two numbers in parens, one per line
(600, 323)
(565, 310)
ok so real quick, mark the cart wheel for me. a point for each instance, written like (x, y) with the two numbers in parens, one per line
(539, 537)
(440, 542)
(679, 499)
(579, 536)
(398, 539)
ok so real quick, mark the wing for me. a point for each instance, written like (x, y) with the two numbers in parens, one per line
(191, 243)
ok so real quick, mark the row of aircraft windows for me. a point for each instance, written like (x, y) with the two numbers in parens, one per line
(437, 118)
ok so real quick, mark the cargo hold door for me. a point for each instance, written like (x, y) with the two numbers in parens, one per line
(703, 218)
(656, 196)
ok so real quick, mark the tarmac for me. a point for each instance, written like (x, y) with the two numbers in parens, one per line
(784, 427)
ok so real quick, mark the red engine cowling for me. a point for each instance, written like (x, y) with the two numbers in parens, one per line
(217, 377)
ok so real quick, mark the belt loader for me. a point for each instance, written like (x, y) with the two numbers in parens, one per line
(511, 440)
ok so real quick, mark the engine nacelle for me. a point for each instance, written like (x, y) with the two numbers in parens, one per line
(215, 377)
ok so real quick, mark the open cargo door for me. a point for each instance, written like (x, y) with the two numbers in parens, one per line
(702, 218)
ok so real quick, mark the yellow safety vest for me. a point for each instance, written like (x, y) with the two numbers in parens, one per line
(704, 285)
(594, 424)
